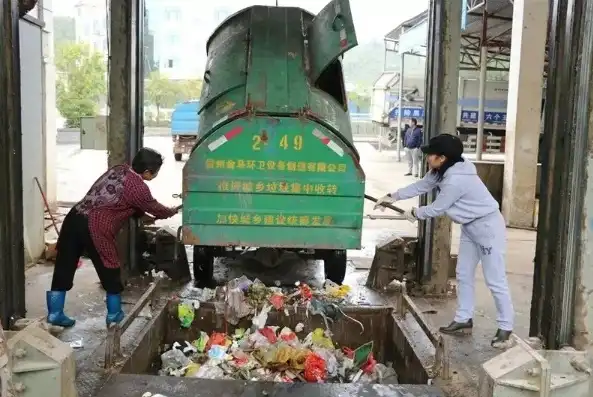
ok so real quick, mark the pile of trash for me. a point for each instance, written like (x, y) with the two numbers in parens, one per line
(270, 354)
(243, 298)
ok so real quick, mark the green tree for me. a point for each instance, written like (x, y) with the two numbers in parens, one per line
(162, 92)
(361, 100)
(191, 89)
(64, 30)
(81, 81)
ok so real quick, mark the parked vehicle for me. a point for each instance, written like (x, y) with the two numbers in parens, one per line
(184, 128)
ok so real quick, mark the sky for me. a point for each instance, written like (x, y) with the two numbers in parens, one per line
(373, 19)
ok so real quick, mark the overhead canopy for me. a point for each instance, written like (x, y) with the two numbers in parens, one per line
(496, 16)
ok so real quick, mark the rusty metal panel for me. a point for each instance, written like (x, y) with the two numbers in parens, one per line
(136, 385)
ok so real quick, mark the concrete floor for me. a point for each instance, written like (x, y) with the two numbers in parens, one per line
(77, 169)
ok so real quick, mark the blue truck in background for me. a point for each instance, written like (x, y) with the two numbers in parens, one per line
(184, 127)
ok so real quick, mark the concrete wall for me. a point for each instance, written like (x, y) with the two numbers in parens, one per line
(49, 98)
(32, 116)
(492, 174)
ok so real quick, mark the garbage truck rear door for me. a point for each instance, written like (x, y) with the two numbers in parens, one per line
(331, 34)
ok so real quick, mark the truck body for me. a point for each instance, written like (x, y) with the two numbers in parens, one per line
(275, 165)
(184, 127)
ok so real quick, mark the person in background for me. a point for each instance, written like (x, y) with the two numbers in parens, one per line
(412, 143)
(464, 198)
(92, 225)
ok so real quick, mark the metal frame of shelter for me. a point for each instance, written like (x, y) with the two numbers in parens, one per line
(485, 45)
(487, 23)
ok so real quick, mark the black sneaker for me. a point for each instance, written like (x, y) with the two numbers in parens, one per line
(415, 176)
(408, 174)
(456, 328)
(501, 337)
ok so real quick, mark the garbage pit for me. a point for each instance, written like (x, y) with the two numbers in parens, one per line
(392, 345)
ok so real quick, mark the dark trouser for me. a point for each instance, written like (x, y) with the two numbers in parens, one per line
(74, 240)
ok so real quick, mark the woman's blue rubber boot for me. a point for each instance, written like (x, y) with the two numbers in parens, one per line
(114, 312)
(55, 309)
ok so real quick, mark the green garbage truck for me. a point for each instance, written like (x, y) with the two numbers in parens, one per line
(274, 166)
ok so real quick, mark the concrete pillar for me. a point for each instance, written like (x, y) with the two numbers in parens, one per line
(436, 233)
(530, 19)
(12, 247)
(124, 133)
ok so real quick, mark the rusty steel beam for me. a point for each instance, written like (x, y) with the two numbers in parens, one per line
(442, 79)
(12, 250)
(562, 306)
(126, 86)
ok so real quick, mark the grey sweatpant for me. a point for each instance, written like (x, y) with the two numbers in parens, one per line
(414, 157)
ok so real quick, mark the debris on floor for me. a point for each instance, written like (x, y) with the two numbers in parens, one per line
(266, 352)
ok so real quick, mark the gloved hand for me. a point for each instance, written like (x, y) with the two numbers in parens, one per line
(410, 215)
(387, 199)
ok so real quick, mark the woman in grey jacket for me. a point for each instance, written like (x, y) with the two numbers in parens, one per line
(464, 198)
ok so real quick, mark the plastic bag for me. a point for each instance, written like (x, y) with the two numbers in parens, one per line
(210, 371)
(174, 359)
(191, 370)
(336, 291)
(385, 374)
(315, 369)
(286, 335)
(243, 283)
(277, 300)
(319, 339)
(217, 352)
(237, 306)
(217, 338)
(369, 366)
(331, 362)
(298, 359)
(185, 314)
(259, 320)
(362, 355)
(269, 333)
(258, 340)
(201, 342)
(306, 292)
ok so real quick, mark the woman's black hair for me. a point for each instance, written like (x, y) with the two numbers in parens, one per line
(147, 160)
(449, 162)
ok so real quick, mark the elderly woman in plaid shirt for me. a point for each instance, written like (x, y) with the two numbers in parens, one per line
(92, 225)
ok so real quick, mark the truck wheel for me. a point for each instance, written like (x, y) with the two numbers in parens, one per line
(178, 156)
(334, 264)
(203, 267)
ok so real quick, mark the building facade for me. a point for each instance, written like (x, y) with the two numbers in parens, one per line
(180, 29)
(91, 24)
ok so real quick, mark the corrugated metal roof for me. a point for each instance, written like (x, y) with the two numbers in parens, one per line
(410, 23)
(384, 80)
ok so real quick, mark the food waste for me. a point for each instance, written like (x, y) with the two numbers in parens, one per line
(270, 353)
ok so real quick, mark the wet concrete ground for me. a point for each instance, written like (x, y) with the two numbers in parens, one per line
(77, 170)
